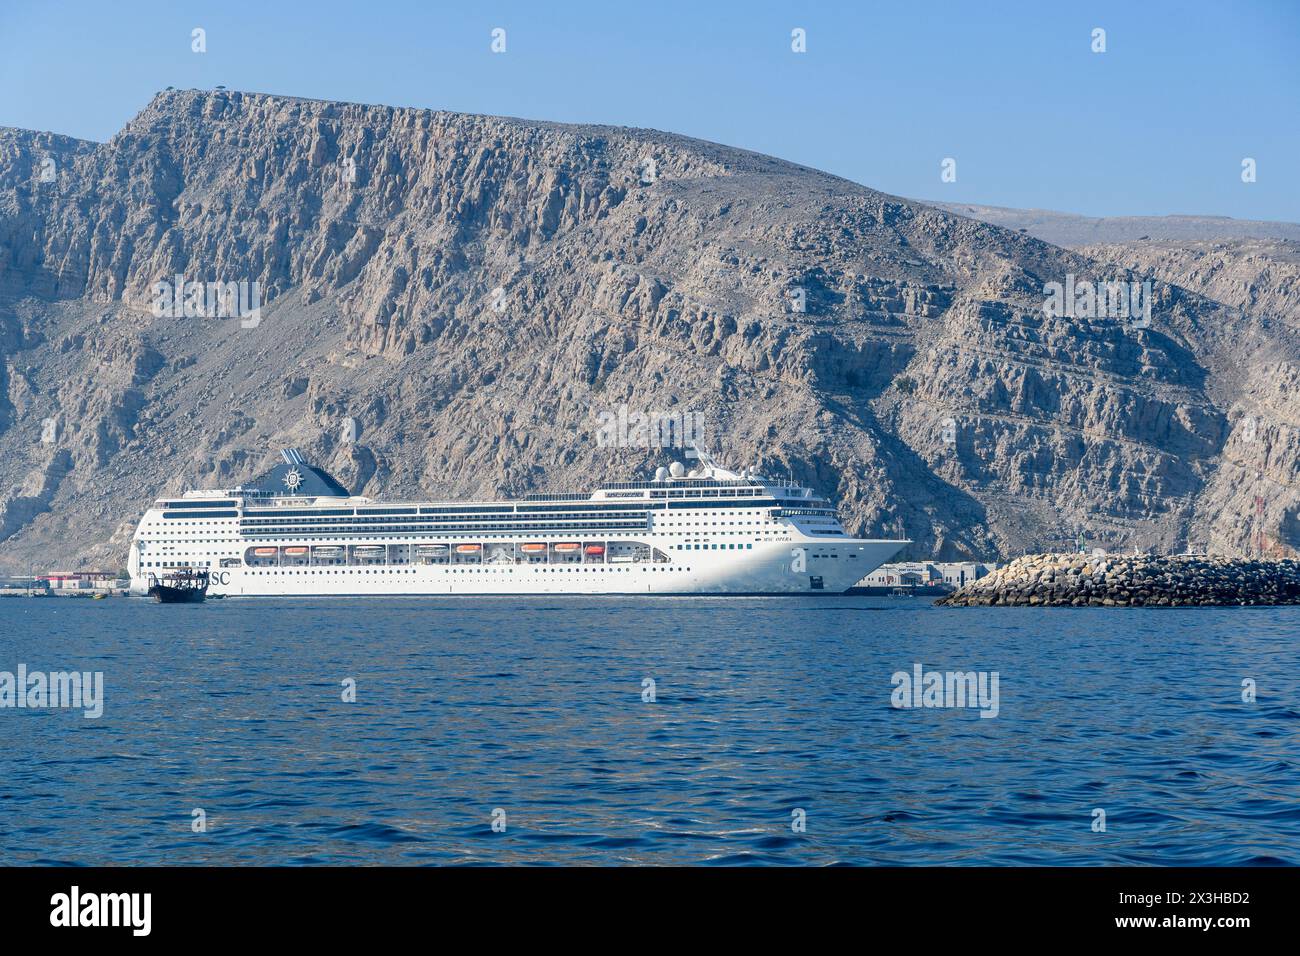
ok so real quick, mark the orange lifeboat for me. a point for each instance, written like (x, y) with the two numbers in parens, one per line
(533, 548)
(296, 552)
(567, 547)
(468, 548)
(264, 552)
(595, 549)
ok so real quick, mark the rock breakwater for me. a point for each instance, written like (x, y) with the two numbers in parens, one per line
(1078, 580)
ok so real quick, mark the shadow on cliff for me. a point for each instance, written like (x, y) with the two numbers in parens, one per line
(923, 499)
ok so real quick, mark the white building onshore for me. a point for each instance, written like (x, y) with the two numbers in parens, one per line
(947, 576)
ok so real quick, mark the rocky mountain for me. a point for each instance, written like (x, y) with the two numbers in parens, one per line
(1070, 230)
(1261, 276)
(450, 302)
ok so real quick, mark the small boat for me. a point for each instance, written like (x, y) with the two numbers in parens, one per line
(468, 548)
(567, 547)
(295, 552)
(430, 550)
(595, 549)
(265, 552)
(328, 550)
(533, 548)
(369, 550)
(179, 587)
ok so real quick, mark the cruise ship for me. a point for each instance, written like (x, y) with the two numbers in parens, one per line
(297, 532)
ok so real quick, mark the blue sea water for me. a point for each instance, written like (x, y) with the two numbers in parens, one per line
(762, 707)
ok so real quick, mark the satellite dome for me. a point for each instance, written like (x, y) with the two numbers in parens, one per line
(677, 469)
(661, 473)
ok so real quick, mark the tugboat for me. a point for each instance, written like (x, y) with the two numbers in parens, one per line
(179, 587)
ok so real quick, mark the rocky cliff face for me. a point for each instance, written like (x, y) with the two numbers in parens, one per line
(1250, 504)
(450, 302)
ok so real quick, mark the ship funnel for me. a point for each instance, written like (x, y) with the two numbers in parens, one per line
(292, 456)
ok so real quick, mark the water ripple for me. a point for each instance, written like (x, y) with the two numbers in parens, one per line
(765, 712)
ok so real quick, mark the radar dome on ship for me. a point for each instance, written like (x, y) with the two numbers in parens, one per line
(661, 473)
(677, 469)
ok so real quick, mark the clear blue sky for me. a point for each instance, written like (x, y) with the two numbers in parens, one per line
(1157, 124)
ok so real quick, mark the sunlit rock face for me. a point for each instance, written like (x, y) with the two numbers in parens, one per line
(445, 305)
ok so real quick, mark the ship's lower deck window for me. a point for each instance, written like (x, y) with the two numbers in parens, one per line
(580, 552)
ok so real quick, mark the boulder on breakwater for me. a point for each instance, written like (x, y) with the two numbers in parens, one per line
(1080, 580)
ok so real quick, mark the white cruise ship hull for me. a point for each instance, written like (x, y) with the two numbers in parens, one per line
(770, 569)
